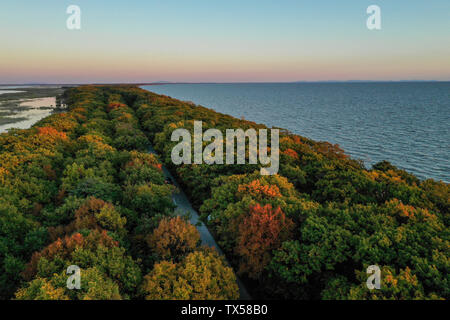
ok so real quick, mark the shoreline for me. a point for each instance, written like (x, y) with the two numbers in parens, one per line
(359, 138)
(22, 109)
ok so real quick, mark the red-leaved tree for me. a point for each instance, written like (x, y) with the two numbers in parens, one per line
(262, 231)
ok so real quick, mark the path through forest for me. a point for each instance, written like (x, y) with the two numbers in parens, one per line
(184, 207)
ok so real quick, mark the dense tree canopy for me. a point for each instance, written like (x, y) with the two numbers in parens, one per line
(80, 188)
(333, 216)
(202, 275)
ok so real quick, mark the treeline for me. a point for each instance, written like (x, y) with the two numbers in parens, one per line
(80, 188)
(311, 231)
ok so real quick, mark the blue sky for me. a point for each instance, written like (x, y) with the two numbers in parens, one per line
(212, 40)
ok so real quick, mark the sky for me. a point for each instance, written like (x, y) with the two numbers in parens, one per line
(223, 41)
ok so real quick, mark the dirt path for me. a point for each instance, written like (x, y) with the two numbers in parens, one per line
(184, 207)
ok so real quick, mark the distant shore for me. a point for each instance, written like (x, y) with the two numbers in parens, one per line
(156, 83)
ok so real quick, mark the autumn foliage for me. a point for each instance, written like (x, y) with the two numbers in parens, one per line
(63, 248)
(256, 189)
(262, 231)
(344, 215)
(291, 153)
(202, 275)
(98, 214)
(81, 188)
(174, 237)
(52, 133)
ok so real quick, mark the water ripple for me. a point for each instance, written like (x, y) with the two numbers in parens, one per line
(404, 123)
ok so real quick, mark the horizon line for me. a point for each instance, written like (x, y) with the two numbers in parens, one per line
(213, 82)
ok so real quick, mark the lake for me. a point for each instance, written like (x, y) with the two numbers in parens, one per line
(9, 91)
(30, 112)
(406, 123)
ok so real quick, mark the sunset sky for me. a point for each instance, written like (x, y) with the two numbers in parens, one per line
(223, 41)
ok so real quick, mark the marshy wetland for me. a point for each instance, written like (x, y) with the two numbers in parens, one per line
(22, 106)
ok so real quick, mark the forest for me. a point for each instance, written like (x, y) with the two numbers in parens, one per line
(80, 188)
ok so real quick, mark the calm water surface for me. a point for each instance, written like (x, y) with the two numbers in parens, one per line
(404, 123)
